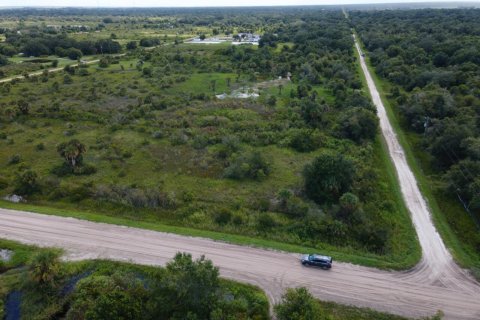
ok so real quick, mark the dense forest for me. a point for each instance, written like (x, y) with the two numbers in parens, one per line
(431, 59)
(145, 135)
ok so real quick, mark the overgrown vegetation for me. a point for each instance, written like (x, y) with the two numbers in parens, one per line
(299, 304)
(185, 288)
(144, 135)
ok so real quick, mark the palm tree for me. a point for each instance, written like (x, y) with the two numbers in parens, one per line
(72, 151)
(45, 267)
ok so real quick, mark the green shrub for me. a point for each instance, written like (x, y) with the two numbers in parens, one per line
(74, 54)
(83, 72)
(238, 218)
(117, 296)
(26, 183)
(157, 135)
(3, 183)
(178, 138)
(298, 304)
(328, 177)
(223, 216)
(135, 197)
(304, 140)
(266, 221)
(359, 124)
(40, 147)
(15, 159)
(249, 166)
(200, 141)
(65, 169)
(229, 145)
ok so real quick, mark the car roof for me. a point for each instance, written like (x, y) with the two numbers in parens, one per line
(320, 257)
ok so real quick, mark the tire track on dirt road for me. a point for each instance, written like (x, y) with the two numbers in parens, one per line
(273, 271)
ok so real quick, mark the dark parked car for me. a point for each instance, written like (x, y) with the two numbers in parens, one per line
(317, 261)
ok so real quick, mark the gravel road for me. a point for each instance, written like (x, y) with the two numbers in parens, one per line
(404, 293)
(437, 263)
(435, 283)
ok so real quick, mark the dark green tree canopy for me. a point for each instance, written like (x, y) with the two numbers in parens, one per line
(328, 177)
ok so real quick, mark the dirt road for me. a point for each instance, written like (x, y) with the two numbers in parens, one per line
(39, 73)
(399, 292)
(437, 263)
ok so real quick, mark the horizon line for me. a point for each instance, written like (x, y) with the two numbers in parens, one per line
(477, 2)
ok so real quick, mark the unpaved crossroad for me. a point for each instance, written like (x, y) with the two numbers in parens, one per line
(436, 283)
(399, 292)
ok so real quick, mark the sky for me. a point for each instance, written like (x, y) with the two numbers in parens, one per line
(189, 3)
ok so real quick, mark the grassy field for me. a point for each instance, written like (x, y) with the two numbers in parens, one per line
(163, 153)
(152, 133)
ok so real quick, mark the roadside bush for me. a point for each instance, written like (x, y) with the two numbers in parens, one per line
(359, 124)
(190, 289)
(295, 207)
(238, 218)
(266, 221)
(45, 268)
(223, 216)
(3, 183)
(116, 296)
(104, 62)
(135, 197)
(132, 45)
(298, 304)
(249, 166)
(26, 183)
